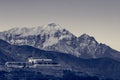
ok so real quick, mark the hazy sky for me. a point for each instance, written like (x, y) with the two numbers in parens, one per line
(99, 18)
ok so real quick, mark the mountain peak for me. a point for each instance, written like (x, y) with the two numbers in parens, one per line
(85, 36)
(52, 24)
(53, 37)
(49, 28)
(87, 39)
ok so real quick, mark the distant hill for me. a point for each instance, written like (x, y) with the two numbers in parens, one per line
(101, 67)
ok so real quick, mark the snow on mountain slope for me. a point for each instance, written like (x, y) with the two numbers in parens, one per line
(48, 37)
(46, 29)
(53, 37)
(87, 45)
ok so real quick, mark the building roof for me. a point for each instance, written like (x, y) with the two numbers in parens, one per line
(40, 59)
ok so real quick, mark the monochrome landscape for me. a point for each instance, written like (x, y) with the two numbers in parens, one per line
(59, 39)
(79, 58)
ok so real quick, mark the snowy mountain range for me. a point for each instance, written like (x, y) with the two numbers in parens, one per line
(52, 37)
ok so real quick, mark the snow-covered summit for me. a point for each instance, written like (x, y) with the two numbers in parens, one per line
(53, 25)
(50, 28)
(53, 37)
(85, 36)
(49, 37)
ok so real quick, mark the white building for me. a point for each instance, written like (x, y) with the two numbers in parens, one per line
(38, 62)
(16, 64)
(38, 59)
(33, 62)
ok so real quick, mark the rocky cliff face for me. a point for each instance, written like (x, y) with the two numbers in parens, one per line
(52, 37)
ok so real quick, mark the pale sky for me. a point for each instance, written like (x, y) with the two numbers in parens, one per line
(98, 18)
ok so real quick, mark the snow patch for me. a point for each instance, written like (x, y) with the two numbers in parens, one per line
(51, 41)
